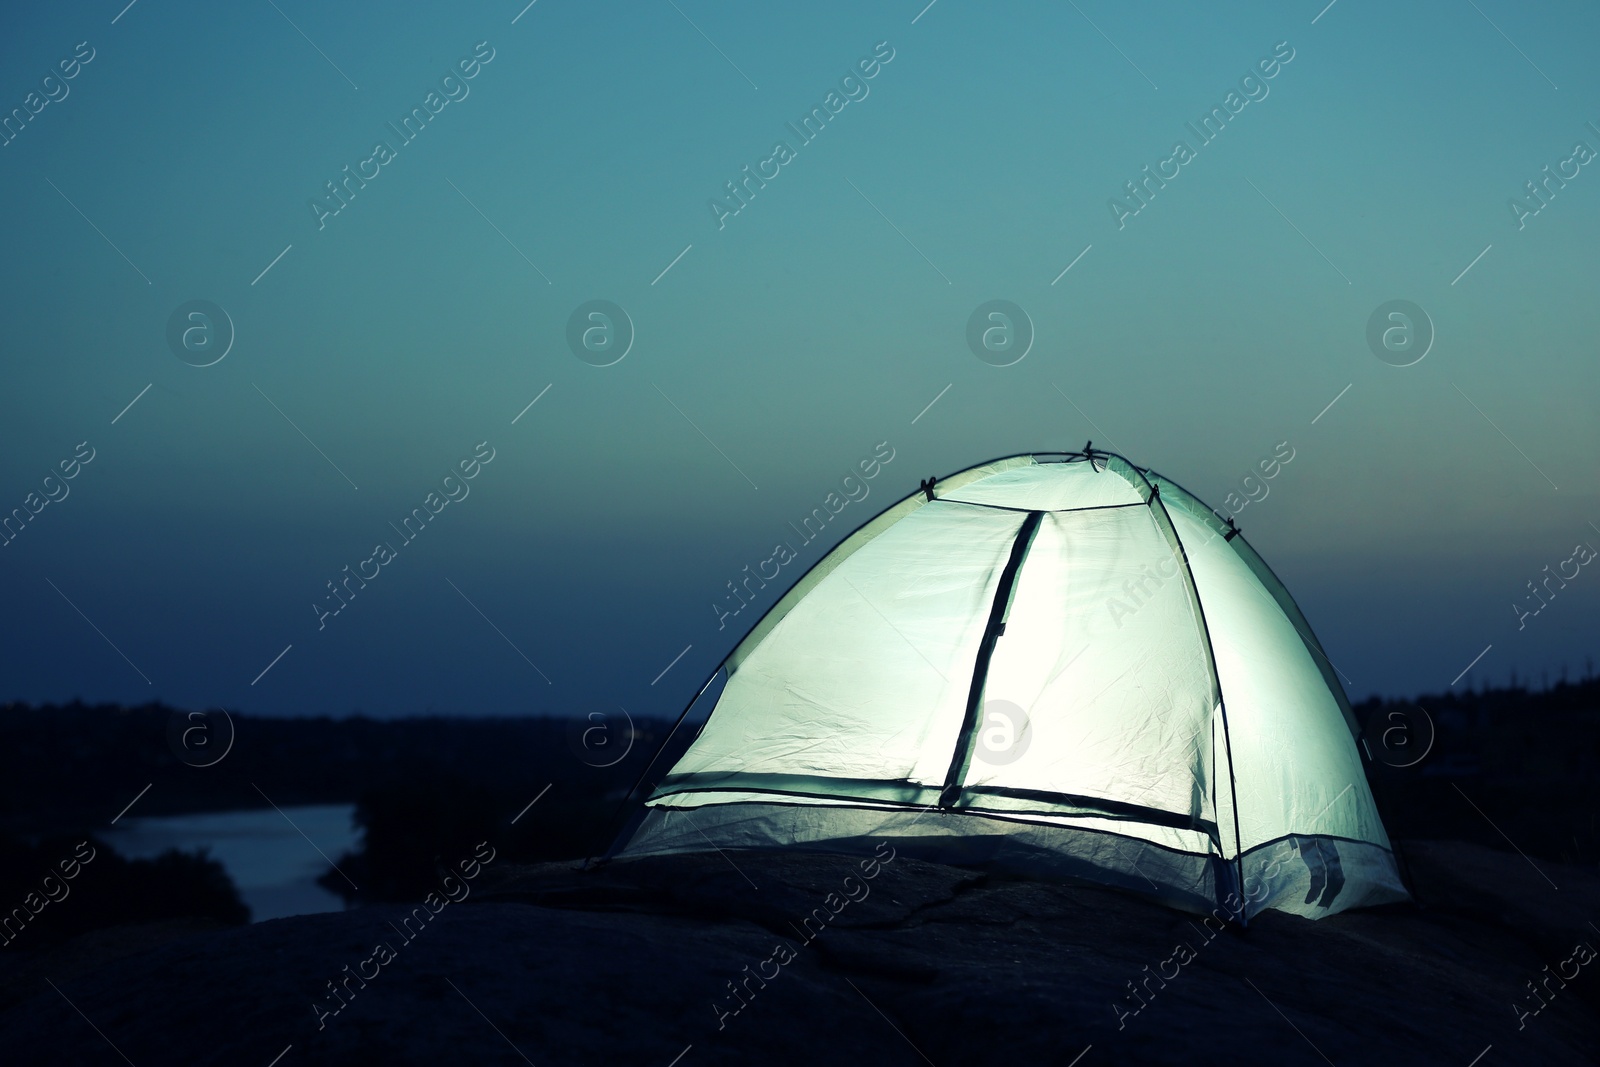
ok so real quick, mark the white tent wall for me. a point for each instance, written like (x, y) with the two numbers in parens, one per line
(1295, 760)
(867, 676)
(1118, 708)
(1063, 486)
(1179, 731)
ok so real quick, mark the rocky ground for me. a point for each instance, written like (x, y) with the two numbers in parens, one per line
(631, 964)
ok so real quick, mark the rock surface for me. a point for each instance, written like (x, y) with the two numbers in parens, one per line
(630, 964)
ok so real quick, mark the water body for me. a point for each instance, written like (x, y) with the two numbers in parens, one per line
(274, 867)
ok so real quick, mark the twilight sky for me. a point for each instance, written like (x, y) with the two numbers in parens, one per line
(565, 153)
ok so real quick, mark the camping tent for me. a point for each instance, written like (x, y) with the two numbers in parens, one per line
(1060, 664)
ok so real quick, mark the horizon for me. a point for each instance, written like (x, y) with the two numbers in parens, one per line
(1519, 686)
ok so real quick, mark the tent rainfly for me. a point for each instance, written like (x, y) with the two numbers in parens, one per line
(1055, 664)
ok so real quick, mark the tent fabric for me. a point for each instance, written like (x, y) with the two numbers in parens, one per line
(1062, 665)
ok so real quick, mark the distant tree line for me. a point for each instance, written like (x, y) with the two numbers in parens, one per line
(425, 789)
(1529, 760)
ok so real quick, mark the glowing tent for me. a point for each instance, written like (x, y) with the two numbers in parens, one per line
(1060, 664)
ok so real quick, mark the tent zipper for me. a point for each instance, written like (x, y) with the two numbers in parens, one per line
(980, 671)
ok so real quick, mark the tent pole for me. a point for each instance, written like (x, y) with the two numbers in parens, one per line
(1176, 541)
(628, 796)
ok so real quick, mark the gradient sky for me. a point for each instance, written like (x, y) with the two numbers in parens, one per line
(818, 322)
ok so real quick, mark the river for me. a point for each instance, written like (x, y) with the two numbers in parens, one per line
(273, 857)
